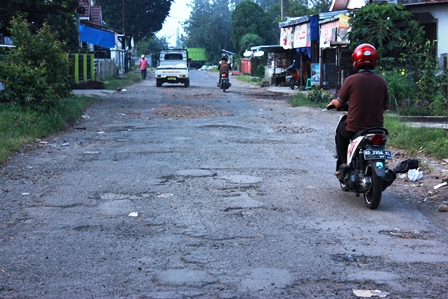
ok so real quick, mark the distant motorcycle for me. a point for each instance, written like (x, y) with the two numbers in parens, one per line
(366, 170)
(224, 82)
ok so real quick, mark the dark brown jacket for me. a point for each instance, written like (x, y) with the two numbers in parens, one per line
(368, 97)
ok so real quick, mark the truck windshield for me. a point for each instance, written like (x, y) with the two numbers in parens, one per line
(173, 57)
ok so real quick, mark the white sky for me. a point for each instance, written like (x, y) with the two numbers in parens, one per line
(179, 13)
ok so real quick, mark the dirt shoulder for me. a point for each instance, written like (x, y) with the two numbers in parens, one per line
(426, 193)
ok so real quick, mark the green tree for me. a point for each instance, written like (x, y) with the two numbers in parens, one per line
(386, 27)
(142, 18)
(59, 15)
(320, 5)
(249, 17)
(151, 45)
(291, 9)
(35, 74)
(249, 40)
(209, 27)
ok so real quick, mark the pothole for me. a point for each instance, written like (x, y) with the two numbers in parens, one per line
(415, 234)
(189, 111)
(242, 179)
(196, 173)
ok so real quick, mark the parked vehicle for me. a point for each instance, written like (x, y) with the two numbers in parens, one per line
(292, 76)
(366, 171)
(173, 67)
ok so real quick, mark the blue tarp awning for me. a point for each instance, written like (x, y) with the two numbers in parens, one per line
(97, 37)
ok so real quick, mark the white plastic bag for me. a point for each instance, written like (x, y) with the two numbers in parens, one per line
(415, 174)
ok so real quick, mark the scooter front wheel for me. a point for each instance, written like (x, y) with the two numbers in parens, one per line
(344, 186)
(372, 196)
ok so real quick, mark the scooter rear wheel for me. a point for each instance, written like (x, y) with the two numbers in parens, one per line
(372, 196)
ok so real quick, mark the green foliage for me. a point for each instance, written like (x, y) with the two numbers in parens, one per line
(19, 125)
(420, 87)
(385, 26)
(300, 99)
(209, 27)
(151, 45)
(260, 71)
(249, 17)
(35, 74)
(433, 142)
(249, 79)
(250, 40)
(118, 83)
(321, 5)
(59, 15)
(141, 18)
(317, 95)
(291, 8)
(401, 88)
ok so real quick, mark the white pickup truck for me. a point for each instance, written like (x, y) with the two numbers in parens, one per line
(173, 67)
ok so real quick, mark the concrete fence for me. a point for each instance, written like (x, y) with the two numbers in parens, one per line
(104, 68)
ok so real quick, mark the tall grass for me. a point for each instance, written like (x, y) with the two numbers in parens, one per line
(414, 140)
(432, 142)
(19, 125)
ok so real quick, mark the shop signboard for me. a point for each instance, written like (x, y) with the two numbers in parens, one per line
(327, 33)
(302, 36)
(286, 37)
(335, 32)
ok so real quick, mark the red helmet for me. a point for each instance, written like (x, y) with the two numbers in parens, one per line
(365, 56)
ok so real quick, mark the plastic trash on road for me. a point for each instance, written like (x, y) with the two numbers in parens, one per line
(133, 214)
(415, 174)
(370, 293)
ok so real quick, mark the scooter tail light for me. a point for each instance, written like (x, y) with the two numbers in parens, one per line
(377, 139)
(223, 75)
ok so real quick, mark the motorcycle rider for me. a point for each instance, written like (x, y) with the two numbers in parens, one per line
(223, 67)
(368, 96)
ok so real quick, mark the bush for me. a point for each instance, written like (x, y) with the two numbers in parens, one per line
(318, 96)
(35, 74)
(401, 89)
(260, 71)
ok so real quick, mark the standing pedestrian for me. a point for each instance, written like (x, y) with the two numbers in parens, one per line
(143, 66)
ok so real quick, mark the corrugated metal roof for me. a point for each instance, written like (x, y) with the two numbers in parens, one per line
(87, 5)
(96, 16)
(294, 21)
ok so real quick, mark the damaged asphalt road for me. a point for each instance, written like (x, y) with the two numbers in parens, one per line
(177, 192)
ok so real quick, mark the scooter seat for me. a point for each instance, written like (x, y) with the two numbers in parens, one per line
(373, 130)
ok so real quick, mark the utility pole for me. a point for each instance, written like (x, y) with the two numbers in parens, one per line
(281, 10)
(122, 16)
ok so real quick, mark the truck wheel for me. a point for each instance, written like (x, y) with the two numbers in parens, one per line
(158, 82)
(187, 83)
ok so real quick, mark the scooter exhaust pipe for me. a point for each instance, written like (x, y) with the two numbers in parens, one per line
(389, 178)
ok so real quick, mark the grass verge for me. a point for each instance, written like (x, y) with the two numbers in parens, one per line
(414, 140)
(114, 83)
(429, 141)
(20, 125)
(249, 79)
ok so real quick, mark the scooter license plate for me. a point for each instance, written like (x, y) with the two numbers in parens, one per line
(370, 154)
